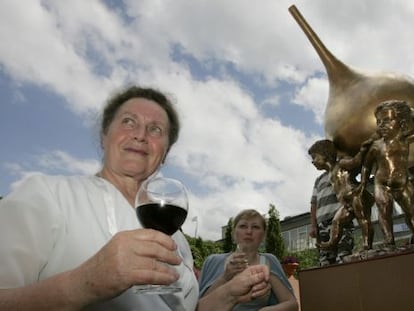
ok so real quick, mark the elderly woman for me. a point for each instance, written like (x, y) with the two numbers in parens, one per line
(71, 243)
(249, 229)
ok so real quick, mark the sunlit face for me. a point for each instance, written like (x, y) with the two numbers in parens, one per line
(319, 161)
(387, 123)
(137, 139)
(249, 232)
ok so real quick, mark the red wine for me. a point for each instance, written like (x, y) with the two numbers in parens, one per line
(166, 218)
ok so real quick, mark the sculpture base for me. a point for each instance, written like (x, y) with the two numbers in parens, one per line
(380, 283)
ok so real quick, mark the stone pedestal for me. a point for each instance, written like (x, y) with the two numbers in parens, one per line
(378, 284)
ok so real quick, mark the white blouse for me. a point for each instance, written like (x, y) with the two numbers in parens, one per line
(51, 224)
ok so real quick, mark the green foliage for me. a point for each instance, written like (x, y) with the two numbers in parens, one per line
(201, 249)
(228, 245)
(274, 243)
(308, 258)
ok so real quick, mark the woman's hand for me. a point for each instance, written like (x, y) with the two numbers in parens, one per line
(253, 282)
(249, 284)
(129, 258)
(234, 264)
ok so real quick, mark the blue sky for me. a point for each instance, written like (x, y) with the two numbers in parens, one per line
(249, 87)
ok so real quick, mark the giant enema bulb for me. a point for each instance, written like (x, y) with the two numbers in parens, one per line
(353, 95)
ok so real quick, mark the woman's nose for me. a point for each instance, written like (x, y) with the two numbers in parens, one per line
(140, 133)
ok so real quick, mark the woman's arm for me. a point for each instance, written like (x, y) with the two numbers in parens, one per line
(52, 294)
(129, 258)
(287, 301)
(231, 268)
(31, 222)
(253, 282)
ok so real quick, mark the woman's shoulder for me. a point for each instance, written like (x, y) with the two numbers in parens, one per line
(35, 184)
(276, 269)
(215, 261)
(77, 183)
(272, 261)
(51, 180)
(270, 257)
(217, 257)
(42, 186)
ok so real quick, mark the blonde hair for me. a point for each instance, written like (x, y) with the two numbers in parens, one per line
(249, 214)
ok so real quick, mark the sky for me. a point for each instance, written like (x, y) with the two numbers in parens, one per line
(249, 87)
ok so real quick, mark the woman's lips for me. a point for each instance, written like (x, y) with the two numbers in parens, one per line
(136, 150)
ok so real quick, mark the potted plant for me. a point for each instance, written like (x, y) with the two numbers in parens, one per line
(290, 265)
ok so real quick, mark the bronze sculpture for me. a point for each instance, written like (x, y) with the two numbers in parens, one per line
(351, 123)
(353, 202)
(356, 203)
(387, 152)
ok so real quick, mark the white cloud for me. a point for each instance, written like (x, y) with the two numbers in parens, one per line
(313, 96)
(61, 161)
(238, 154)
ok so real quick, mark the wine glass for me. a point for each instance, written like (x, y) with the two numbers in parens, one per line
(161, 204)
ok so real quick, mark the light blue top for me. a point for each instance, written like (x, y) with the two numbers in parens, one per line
(213, 268)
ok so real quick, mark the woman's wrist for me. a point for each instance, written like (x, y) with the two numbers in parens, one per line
(227, 298)
(225, 278)
(220, 299)
(217, 283)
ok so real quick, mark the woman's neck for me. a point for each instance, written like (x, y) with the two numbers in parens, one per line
(126, 185)
(252, 258)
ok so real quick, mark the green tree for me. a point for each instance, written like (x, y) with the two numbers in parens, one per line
(228, 244)
(197, 249)
(201, 249)
(274, 242)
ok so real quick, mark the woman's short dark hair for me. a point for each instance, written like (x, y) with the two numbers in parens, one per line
(117, 100)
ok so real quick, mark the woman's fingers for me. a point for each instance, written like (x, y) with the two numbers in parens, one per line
(235, 264)
(154, 244)
(238, 261)
(156, 272)
(261, 289)
(139, 257)
(153, 252)
(156, 236)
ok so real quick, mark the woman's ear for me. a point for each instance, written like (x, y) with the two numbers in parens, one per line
(165, 155)
(101, 140)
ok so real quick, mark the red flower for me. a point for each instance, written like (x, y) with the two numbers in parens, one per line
(289, 259)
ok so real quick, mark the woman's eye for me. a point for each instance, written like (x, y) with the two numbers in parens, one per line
(155, 130)
(128, 122)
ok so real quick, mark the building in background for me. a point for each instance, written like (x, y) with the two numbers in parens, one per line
(295, 230)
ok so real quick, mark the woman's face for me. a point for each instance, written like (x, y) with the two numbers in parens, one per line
(137, 139)
(249, 233)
